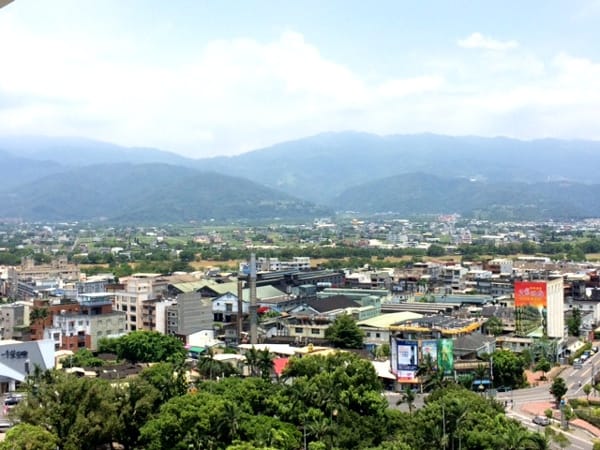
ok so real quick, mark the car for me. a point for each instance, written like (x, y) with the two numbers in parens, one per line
(5, 424)
(541, 420)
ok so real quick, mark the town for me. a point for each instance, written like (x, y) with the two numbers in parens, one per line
(495, 307)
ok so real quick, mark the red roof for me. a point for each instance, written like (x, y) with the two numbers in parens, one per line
(279, 364)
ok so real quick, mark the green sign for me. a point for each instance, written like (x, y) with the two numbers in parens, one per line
(445, 356)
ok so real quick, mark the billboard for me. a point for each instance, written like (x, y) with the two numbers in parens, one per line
(393, 356)
(445, 353)
(429, 349)
(407, 355)
(530, 294)
(530, 306)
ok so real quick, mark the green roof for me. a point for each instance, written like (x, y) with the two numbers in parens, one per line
(197, 349)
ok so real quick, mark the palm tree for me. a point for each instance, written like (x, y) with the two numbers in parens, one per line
(252, 357)
(537, 441)
(265, 363)
(38, 315)
(408, 396)
(228, 425)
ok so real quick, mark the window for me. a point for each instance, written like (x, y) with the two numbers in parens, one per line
(315, 331)
(368, 334)
(298, 330)
(377, 335)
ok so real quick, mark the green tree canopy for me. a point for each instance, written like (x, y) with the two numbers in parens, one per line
(29, 437)
(574, 322)
(543, 365)
(345, 333)
(150, 346)
(508, 369)
(558, 389)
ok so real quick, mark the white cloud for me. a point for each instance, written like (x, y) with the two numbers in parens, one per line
(478, 40)
(237, 94)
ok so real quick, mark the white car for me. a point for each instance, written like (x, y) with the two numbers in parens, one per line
(541, 420)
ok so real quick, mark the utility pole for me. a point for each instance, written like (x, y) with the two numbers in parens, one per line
(253, 305)
(491, 374)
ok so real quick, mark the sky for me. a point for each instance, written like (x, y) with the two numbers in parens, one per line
(204, 78)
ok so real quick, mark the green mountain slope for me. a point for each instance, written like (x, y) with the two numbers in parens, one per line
(148, 193)
(319, 168)
(421, 193)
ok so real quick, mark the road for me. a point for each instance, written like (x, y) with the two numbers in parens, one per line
(575, 379)
(518, 400)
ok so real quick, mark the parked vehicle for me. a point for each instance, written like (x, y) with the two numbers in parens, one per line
(5, 424)
(541, 420)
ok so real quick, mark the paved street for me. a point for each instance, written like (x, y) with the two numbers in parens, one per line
(524, 404)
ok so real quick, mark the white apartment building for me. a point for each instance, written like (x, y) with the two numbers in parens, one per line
(274, 264)
(137, 289)
(454, 277)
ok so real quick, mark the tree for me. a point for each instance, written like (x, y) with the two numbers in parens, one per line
(558, 389)
(408, 396)
(345, 333)
(252, 361)
(587, 390)
(543, 365)
(150, 346)
(83, 358)
(81, 412)
(265, 363)
(137, 402)
(29, 437)
(494, 326)
(508, 369)
(38, 315)
(574, 322)
(435, 250)
(167, 378)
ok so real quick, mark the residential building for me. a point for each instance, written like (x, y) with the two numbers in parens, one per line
(189, 313)
(83, 328)
(13, 315)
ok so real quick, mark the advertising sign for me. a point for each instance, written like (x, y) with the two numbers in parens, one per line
(406, 375)
(530, 306)
(446, 356)
(407, 355)
(429, 350)
(528, 293)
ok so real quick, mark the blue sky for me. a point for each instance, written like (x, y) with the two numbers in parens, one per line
(204, 78)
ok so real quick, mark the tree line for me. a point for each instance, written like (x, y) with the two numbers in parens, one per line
(319, 402)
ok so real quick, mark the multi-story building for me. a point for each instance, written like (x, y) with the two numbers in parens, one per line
(136, 289)
(274, 264)
(454, 277)
(84, 328)
(189, 313)
(540, 306)
(28, 272)
(44, 310)
(93, 284)
(13, 315)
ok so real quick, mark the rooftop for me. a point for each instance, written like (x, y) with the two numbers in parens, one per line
(387, 320)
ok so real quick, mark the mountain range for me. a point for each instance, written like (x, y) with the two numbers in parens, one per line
(80, 179)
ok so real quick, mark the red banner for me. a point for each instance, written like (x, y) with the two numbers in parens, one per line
(530, 293)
